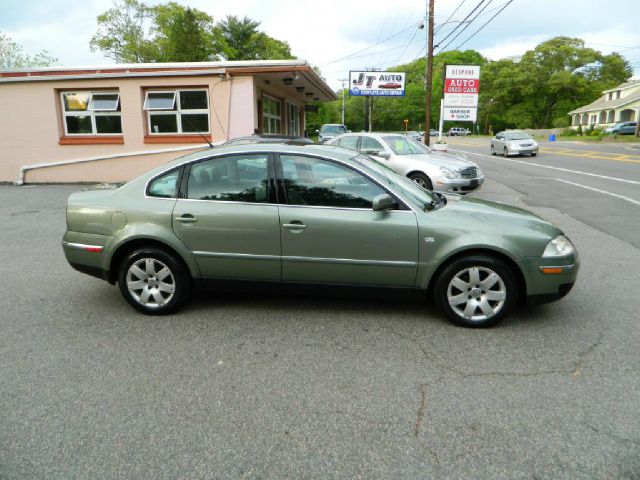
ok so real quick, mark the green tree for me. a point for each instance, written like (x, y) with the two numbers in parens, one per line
(184, 34)
(12, 55)
(124, 33)
(243, 41)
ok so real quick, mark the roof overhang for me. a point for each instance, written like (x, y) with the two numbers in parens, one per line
(279, 71)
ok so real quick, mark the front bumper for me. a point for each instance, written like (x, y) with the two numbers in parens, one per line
(549, 279)
(522, 150)
(457, 185)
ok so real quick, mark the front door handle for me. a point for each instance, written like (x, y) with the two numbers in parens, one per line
(186, 218)
(295, 225)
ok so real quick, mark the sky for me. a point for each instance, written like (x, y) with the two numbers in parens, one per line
(339, 36)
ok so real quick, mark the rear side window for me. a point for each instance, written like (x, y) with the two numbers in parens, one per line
(238, 178)
(165, 186)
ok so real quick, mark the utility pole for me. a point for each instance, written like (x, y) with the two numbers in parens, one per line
(428, 73)
(343, 80)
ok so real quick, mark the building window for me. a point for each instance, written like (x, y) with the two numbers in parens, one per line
(294, 119)
(610, 95)
(91, 113)
(171, 112)
(617, 94)
(271, 115)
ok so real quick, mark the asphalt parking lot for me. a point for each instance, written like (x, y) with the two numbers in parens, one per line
(251, 386)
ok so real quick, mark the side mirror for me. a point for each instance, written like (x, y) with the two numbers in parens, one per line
(377, 153)
(383, 202)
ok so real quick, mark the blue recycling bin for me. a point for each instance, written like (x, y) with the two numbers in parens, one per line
(552, 137)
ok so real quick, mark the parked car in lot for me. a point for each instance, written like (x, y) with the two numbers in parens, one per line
(329, 131)
(624, 128)
(440, 171)
(269, 138)
(513, 142)
(254, 216)
(457, 132)
(434, 133)
(417, 136)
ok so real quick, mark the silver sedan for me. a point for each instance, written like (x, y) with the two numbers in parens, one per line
(440, 171)
(513, 142)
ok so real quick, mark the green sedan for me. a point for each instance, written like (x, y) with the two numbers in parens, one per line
(312, 218)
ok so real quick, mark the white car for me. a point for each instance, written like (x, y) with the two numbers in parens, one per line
(440, 171)
(457, 132)
(513, 142)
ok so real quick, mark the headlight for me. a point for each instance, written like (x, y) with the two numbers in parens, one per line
(560, 246)
(478, 172)
(448, 173)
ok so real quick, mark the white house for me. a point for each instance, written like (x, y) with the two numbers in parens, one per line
(620, 104)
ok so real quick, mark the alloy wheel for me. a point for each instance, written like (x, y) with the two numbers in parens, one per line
(476, 293)
(150, 282)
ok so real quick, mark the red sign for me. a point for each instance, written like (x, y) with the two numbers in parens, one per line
(462, 85)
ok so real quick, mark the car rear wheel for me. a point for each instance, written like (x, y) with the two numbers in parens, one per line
(422, 180)
(476, 291)
(154, 281)
(505, 153)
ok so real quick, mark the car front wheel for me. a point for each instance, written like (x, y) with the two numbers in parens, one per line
(493, 150)
(153, 281)
(476, 291)
(422, 180)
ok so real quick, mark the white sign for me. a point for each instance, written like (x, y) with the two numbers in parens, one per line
(379, 84)
(461, 89)
(460, 114)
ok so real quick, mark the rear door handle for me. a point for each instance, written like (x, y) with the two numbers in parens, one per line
(186, 218)
(294, 226)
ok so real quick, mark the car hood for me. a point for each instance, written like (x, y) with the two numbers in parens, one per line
(441, 159)
(485, 213)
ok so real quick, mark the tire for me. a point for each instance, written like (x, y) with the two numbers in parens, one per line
(422, 180)
(156, 295)
(505, 153)
(493, 150)
(533, 154)
(454, 291)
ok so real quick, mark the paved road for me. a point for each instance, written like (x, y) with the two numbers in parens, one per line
(251, 386)
(597, 184)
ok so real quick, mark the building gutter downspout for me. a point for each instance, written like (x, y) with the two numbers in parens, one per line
(27, 168)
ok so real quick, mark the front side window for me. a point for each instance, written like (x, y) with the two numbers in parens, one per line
(321, 183)
(91, 113)
(238, 178)
(349, 142)
(271, 115)
(171, 112)
(369, 144)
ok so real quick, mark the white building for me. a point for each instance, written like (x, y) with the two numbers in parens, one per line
(620, 104)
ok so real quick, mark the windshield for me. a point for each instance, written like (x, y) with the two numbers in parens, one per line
(402, 145)
(424, 198)
(336, 129)
(518, 136)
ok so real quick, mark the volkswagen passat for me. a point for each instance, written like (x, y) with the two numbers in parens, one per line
(260, 215)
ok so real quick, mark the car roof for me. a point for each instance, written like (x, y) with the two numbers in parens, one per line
(329, 151)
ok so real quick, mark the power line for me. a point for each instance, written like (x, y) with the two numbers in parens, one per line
(449, 17)
(466, 26)
(485, 24)
(463, 21)
(371, 46)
